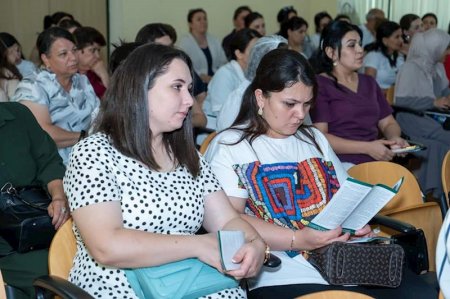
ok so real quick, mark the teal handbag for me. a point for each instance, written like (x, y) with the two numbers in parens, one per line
(186, 279)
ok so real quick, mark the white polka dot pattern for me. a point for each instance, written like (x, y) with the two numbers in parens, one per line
(158, 202)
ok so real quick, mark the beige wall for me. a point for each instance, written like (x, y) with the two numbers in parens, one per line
(127, 17)
(24, 18)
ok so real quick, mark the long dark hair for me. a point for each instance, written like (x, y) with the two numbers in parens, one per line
(124, 114)
(278, 69)
(384, 30)
(332, 37)
(7, 41)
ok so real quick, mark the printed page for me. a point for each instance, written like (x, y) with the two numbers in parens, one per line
(377, 198)
(230, 242)
(344, 201)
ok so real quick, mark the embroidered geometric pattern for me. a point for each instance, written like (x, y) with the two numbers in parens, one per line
(288, 194)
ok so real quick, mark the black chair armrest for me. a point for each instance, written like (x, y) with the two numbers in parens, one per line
(392, 223)
(46, 285)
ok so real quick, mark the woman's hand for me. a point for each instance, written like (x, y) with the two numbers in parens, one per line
(379, 149)
(442, 103)
(251, 257)
(399, 143)
(58, 210)
(365, 232)
(309, 238)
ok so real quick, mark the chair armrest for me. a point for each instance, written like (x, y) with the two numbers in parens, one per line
(51, 284)
(392, 223)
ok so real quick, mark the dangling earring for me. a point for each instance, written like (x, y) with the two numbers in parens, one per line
(260, 111)
(335, 63)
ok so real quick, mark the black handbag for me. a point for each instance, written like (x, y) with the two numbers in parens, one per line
(24, 220)
(369, 264)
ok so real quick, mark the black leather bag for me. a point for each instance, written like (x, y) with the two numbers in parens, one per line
(367, 264)
(414, 244)
(24, 220)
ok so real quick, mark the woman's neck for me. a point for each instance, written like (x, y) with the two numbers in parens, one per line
(296, 47)
(344, 75)
(162, 156)
(200, 38)
(66, 82)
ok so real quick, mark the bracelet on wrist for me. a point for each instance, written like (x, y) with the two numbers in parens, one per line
(266, 254)
(291, 248)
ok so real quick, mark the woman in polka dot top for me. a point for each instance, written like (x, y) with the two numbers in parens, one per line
(139, 191)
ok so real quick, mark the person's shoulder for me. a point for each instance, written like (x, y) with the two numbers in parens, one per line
(95, 142)
(231, 135)
(17, 109)
(366, 79)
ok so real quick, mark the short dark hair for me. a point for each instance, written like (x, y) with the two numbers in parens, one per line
(150, 32)
(385, 29)
(284, 12)
(318, 17)
(124, 115)
(294, 23)
(430, 14)
(55, 18)
(120, 53)
(239, 10)
(192, 12)
(251, 17)
(68, 23)
(47, 37)
(241, 39)
(341, 17)
(278, 69)
(7, 40)
(405, 23)
(86, 36)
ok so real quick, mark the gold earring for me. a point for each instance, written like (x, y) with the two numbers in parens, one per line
(260, 111)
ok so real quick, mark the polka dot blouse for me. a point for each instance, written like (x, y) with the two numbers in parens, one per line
(159, 202)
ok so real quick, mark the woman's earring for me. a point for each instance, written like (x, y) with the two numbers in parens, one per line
(335, 63)
(260, 111)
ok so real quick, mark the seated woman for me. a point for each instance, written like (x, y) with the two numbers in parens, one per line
(383, 59)
(422, 85)
(229, 76)
(268, 147)
(295, 31)
(89, 42)
(28, 157)
(228, 113)
(321, 20)
(411, 24)
(149, 190)
(429, 21)
(255, 21)
(204, 49)
(15, 56)
(9, 74)
(351, 110)
(61, 99)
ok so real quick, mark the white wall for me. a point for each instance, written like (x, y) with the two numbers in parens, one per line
(127, 17)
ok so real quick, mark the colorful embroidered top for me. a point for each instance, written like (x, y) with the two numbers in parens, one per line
(288, 194)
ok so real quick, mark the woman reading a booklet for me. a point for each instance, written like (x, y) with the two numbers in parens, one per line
(280, 173)
(139, 191)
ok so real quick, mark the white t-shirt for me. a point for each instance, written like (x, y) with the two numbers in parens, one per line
(314, 173)
(386, 74)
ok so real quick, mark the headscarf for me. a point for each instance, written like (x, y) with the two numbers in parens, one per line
(423, 72)
(264, 45)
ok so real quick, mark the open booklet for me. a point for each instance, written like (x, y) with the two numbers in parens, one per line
(353, 205)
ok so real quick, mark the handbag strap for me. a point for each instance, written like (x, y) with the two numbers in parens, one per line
(8, 188)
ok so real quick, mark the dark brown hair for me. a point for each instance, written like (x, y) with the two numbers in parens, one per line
(278, 69)
(124, 114)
